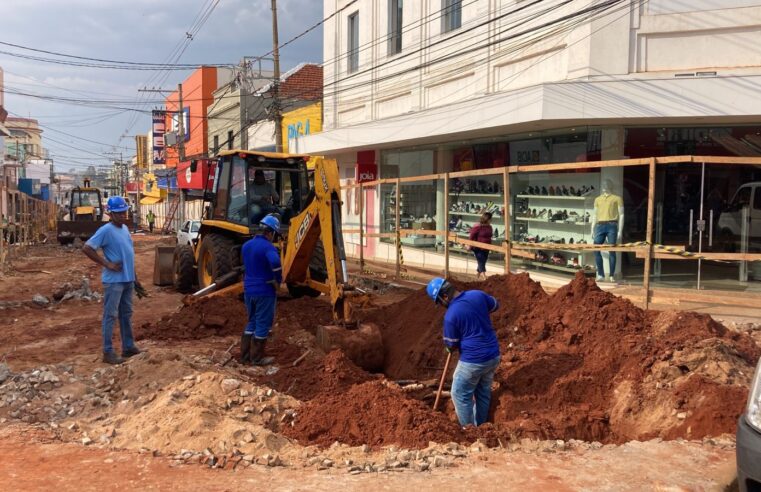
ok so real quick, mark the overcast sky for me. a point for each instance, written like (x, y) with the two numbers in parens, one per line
(129, 30)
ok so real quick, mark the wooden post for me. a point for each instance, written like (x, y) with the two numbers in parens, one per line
(506, 217)
(446, 225)
(649, 231)
(398, 238)
(361, 228)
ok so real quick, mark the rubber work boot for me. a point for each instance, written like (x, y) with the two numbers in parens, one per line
(257, 352)
(112, 358)
(130, 352)
(245, 349)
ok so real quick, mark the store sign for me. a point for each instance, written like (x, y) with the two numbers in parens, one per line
(298, 129)
(366, 172)
(527, 152)
(185, 123)
(189, 180)
(157, 136)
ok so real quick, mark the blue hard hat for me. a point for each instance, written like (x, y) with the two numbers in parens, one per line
(270, 222)
(434, 287)
(117, 204)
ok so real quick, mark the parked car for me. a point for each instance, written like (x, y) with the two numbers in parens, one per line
(748, 447)
(730, 221)
(188, 233)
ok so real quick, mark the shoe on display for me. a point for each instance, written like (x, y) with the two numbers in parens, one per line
(572, 191)
(570, 241)
(544, 191)
(565, 191)
(552, 191)
(496, 232)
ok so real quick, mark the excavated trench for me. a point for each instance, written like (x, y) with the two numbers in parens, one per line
(577, 364)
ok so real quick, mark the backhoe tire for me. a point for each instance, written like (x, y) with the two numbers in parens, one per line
(215, 258)
(318, 269)
(184, 277)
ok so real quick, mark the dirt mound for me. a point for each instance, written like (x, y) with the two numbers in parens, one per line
(412, 327)
(214, 316)
(333, 374)
(223, 316)
(371, 413)
(582, 363)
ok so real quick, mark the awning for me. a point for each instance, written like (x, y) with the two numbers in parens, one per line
(149, 200)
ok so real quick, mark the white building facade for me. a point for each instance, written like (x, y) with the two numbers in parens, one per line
(432, 86)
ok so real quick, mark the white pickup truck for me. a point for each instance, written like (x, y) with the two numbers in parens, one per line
(188, 233)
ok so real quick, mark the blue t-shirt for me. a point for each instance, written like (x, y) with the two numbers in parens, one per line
(467, 325)
(116, 244)
(262, 263)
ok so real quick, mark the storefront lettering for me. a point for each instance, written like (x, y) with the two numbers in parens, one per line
(298, 129)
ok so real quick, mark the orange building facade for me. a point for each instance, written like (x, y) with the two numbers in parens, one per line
(197, 96)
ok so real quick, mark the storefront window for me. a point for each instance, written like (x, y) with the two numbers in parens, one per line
(716, 141)
(568, 212)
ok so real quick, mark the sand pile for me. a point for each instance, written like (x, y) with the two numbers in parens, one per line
(585, 364)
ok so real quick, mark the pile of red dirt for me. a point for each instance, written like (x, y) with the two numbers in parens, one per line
(207, 317)
(223, 316)
(371, 413)
(332, 374)
(582, 363)
(412, 328)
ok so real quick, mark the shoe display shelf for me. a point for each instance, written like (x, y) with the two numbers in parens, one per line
(557, 209)
(465, 211)
(415, 202)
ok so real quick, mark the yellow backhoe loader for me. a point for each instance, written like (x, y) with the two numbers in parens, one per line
(84, 216)
(311, 244)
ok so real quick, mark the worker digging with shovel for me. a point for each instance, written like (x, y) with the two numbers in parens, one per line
(261, 280)
(468, 328)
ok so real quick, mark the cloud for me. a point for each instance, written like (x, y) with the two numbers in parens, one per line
(136, 30)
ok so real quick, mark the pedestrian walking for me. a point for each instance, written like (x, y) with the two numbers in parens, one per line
(261, 279)
(151, 220)
(481, 232)
(118, 277)
(468, 329)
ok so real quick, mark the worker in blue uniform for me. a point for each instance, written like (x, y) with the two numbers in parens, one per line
(468, 328)
(261, 280)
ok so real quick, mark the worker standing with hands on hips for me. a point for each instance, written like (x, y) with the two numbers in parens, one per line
(118, 277)
(468, 328)
(261, 279)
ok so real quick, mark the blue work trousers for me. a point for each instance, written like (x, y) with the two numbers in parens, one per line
(605, 232)
(261, 314)
(471, 391)
(117, 304)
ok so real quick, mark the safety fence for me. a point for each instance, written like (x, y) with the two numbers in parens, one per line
(546, 208)
(25, 221)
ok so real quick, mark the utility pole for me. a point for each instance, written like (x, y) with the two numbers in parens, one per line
(276, 86)
(181, 156)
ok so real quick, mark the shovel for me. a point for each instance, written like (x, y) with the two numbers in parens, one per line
(441, 383)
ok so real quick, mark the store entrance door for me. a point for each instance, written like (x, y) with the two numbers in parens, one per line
(708, 209)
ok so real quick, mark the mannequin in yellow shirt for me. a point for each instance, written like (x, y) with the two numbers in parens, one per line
(607, 226)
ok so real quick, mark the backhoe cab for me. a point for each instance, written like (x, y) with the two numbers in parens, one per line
(246, 186)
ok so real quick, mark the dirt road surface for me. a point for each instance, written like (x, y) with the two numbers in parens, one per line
(35, 457)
